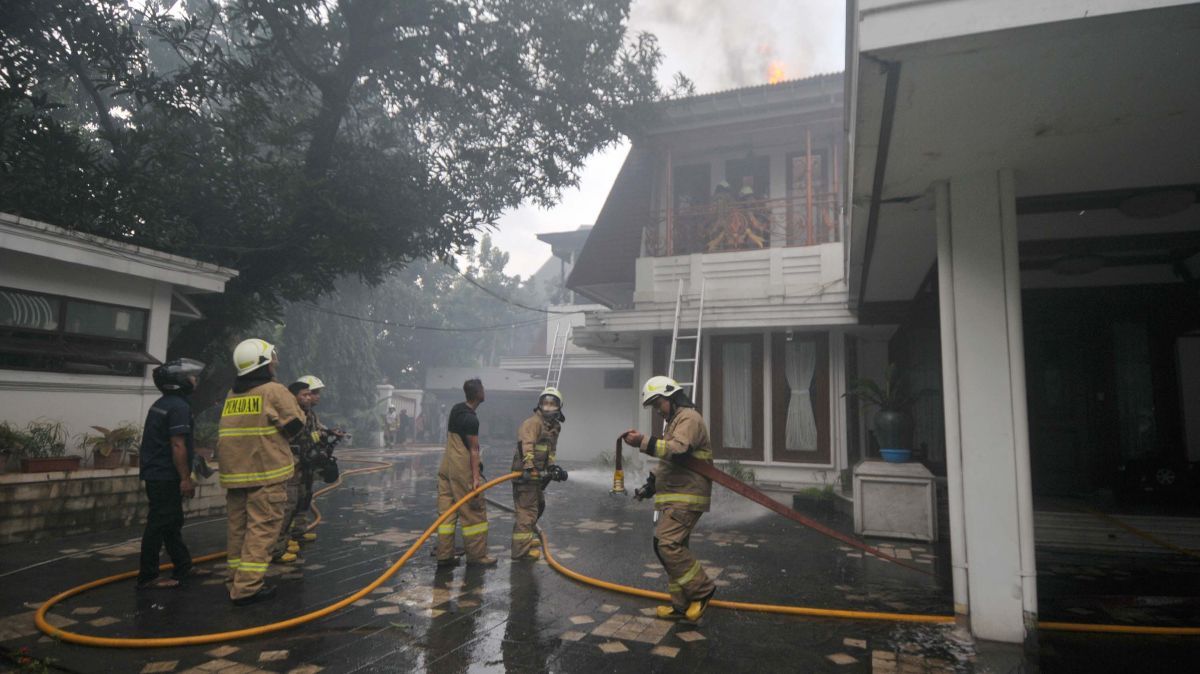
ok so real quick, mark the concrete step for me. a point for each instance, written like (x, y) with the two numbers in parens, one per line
(1084, 531)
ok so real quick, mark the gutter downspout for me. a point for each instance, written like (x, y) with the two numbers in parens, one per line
(950, 407)
(1020, 404)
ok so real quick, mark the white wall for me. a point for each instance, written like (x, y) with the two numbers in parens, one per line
(82, 400)
(595, 415)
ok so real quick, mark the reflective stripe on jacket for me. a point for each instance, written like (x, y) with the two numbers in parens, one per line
(677, 486)
(537, 442)
(251, 449)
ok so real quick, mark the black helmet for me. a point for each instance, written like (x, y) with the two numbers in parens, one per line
(173, 375)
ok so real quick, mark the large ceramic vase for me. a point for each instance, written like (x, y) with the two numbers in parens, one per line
(893, 432)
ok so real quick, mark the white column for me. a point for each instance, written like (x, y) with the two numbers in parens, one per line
(643, 370)
(988, 350)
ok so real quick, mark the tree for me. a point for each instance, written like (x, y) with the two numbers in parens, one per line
(300, 140)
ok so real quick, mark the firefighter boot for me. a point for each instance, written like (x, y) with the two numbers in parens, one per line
(669, 613)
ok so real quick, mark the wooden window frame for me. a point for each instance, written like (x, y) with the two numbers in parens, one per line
(757, 450)
(822, 407)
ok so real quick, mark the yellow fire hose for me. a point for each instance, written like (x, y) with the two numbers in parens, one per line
(195, 639)
(161, 642)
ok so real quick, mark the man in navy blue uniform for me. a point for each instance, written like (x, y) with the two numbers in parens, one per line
(166, 467)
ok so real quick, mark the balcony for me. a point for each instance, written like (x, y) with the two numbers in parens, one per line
(728, 224)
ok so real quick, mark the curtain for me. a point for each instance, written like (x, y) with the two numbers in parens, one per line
(737, 416)
(799, 367)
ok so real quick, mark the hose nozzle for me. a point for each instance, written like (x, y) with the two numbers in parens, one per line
(618, 482)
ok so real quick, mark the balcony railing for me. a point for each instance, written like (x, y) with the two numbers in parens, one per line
(730, 224)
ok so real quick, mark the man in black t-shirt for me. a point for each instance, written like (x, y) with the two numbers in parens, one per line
(460, 472)
(166, 466)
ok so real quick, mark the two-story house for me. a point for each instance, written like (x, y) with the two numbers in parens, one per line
(737, 195)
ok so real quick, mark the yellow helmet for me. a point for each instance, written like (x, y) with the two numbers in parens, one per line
(659, 386)
(252, 354)
(312, 382)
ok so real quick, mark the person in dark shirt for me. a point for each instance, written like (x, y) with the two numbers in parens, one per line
(166, 467)
(460, 473)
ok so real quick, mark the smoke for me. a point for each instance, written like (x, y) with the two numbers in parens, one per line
(728, 509)
(723, 44)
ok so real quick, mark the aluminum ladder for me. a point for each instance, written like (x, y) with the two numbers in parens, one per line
(676, 338)
(557, 354)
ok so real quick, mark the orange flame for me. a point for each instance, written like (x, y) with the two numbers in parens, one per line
(775, 73)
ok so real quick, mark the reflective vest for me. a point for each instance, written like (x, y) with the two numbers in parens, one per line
(251, 449)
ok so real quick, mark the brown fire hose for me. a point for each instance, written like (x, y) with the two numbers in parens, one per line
(742, 489)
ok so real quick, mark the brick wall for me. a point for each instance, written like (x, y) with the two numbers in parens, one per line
(34, 506)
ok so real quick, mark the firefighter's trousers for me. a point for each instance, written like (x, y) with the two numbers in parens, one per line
(529, 500)
(292, 486)
(255, 515)
(686, 579)
(304, 500)
(472, 517)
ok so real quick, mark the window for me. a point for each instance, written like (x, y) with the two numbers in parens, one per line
(737, 392)
(59, 334)
(618, 379)
(800, 398)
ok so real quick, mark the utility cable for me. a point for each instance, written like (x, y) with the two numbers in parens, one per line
(509, 300)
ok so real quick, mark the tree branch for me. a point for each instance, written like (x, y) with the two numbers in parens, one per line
(109, 130)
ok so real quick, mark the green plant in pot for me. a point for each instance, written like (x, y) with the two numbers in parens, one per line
(109, 446)
(12, 446)
(892, 423)
(45, 447)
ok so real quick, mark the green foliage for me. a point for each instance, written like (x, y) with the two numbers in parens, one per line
(205, 433)
(44, 439)
(12, 440)
(891, 395)
(124, 438)
(736, 470)
(299, 141)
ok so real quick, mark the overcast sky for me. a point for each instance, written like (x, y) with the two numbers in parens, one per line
(718, 44)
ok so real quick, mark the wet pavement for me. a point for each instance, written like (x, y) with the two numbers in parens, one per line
(525, 617)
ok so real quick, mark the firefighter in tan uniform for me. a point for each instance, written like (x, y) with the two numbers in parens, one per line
(537, 440)
(460, 472)
(258, 418)
(680, 495)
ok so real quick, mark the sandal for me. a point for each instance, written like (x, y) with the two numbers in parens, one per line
(196, 572)
(159, 584)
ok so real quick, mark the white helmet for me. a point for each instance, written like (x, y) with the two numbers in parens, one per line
(553, 392)
(659, 386)
(312, 382)
(252, 354)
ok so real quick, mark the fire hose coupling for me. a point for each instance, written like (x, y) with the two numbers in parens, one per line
(556, 473)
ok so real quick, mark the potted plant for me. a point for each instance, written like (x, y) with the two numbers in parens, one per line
(12, 445)
(892, 424)
(45, 448)
(109, 446)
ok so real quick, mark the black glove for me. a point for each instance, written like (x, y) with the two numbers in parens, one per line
(646, 490)
(200, 467)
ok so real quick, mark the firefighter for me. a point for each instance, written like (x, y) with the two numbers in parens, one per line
(258, 419)
(537, 440)
(299, 486)
(460, 472)
(681, 496)
(313, 431)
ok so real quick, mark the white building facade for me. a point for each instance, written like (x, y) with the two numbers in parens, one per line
(1027, 170)
(83, 320)
(739, 193)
